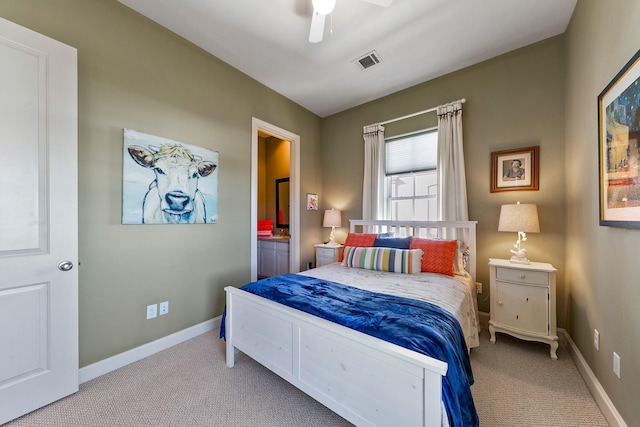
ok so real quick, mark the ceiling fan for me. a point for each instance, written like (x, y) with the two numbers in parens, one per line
(321, 8)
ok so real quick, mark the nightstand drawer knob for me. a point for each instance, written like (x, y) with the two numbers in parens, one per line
(500, 303)
(522, 276)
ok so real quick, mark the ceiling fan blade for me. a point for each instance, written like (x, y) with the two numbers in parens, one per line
(317, 27)
(383, 3)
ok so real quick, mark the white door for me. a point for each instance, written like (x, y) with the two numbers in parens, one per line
(38, 221)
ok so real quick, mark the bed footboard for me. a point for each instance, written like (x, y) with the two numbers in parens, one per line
(364, 379)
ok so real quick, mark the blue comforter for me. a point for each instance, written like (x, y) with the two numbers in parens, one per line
(415, 325)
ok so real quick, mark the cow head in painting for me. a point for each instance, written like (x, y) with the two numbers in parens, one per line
(173, 195)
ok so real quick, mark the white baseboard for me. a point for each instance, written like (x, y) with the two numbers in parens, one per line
(609, 411)
(119, 360)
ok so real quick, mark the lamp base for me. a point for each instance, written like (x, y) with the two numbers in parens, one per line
(332, 237)
(519, 256)
(519, 260)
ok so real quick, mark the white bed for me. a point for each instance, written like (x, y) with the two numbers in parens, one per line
(364, 379)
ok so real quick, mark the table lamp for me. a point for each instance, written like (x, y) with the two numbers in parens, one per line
(332, 219)
(522, 219)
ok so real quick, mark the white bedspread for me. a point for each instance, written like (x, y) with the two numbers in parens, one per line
(453, 294)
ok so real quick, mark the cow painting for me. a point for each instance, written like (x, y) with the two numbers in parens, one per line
(172, 194)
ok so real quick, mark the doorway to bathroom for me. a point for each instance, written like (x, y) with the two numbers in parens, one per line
(278, 207)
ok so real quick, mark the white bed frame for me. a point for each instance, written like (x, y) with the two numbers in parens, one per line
(368, 381)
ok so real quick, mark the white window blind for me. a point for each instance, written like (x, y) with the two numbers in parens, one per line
(414, 153)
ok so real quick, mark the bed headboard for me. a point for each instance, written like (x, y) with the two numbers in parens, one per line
(463, 231)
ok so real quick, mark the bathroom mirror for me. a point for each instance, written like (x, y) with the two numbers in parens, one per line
(282, 203)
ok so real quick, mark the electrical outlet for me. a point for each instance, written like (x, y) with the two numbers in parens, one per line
(596, 339)
(479, 287)
(152, 311)
(616, 364)
(164, 307)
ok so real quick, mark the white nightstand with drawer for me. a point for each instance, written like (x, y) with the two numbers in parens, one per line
(523, 301)
(326, 254)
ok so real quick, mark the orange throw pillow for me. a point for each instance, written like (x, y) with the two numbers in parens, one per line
(437, 255)
(363, 240)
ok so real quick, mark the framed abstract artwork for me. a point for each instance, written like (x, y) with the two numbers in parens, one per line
(619, 149)
(312, 202)
(514, 169)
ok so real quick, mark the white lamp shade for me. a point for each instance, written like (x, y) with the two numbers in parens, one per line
(519, 217)
(323, 7)
(332, 218)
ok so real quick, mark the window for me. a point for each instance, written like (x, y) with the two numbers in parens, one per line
(411, 176)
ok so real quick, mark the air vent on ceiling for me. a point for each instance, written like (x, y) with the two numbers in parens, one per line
(367, 61)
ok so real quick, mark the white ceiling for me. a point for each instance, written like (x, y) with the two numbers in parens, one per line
(418, 40)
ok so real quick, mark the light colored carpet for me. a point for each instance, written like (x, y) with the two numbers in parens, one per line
(517, 384)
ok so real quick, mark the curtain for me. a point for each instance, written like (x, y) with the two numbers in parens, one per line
(373, 185)
(452, 187)
(452, 184)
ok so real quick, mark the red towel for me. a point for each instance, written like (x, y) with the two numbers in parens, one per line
(265, 224)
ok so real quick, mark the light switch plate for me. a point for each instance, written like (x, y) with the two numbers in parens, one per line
(152, 311)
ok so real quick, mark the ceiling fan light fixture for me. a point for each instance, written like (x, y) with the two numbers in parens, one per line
(323, 7)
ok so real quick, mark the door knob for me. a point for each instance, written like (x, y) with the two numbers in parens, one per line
(65, 266)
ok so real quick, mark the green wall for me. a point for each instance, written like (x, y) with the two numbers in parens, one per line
(135, 74)
(515, 100)
(601, 261)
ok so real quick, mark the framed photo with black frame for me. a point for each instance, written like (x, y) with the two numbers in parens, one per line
(619, 149)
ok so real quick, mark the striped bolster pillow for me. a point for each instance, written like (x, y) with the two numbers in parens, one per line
(383, 259)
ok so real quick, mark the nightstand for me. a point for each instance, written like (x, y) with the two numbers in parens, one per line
(326, 254)
(523, 301)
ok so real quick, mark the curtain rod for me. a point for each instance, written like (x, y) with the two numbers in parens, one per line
(408, 116)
